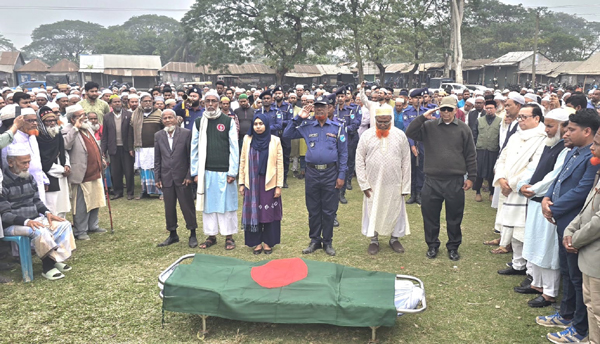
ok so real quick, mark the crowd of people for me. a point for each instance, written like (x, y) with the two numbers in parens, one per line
(537, 153)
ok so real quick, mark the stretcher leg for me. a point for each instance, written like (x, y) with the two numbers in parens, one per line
(373, 335)
(204, 331)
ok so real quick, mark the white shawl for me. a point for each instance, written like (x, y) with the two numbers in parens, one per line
(202, 144)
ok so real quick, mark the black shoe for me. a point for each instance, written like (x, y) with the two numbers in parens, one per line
(539, 302)
(418, 200)
(269, 251)
(432, 252)
(453, 255)
(255, 251)
(116, 197)
(193, 242)
(412, 199)
(343, 199)
(311, 248)
(285, 186)
(526, 290)
(335, 222)
(170, 240)
(329, 250)
(349, 185)
(527, 281)
(511, 271)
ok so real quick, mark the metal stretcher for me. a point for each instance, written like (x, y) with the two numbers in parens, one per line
(333, 294)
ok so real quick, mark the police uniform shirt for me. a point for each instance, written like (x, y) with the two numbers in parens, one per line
(188, 114)
(287, 112)
(276, 118)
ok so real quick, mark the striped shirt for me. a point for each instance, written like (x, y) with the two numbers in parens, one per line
(20, 200)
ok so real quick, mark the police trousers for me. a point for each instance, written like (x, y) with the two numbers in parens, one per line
(322, 200)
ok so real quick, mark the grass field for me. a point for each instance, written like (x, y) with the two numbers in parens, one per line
(111, 295)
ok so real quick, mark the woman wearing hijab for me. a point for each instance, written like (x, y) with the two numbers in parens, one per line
(261, 179)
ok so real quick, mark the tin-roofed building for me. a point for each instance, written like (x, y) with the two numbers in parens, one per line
(140, 71)
(32, 71)
(9, 62)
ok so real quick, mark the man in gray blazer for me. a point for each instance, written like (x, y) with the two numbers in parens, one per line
(172, 147)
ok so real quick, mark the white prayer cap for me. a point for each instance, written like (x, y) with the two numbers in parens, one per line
(73, 108)
(31, 94)
(399, 100)
(383, 111)
(253, 89)
(257, 93)
(145, 94)
(60, 95)
(530, 91)
(301, 87)
(499, 97)
(52, 105)
(559, 114)
(523, 89)
(107, 91)
(240, 90)
(159, 99)
(41, 95)
(546, 99)
(566, 95)
(5, 89)
(455, 97)
(71, 96)
(55, 90)
(560, 89)
(42, 91)
(590, 92)
(170, 101)
(133, 96)
(212, 93)
(477, 93)
(18, 89)
(310, 97)
(35, 90)
(479, 98)
(516, 97)
(10, 95)
(124, 95)
(506, 91)
(470, 100)
(532, 97)
(17, 149)
(27, 111)
(8, 112)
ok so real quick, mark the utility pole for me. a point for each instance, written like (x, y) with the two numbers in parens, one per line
(535, 46)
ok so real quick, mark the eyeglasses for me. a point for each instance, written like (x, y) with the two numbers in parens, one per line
(446, 109)
(50, 121)
(523, 117)
(31, 120)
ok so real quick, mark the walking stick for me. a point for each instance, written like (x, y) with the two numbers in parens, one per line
(108, 202)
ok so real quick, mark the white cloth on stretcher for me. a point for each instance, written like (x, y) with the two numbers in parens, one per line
(407, 295)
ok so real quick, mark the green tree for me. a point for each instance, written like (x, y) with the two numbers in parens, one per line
(6, 44)
(232, 31)
(63, 39)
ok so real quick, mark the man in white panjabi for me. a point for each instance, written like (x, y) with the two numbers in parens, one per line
(522, 152)
(215, 159)
(383, 173)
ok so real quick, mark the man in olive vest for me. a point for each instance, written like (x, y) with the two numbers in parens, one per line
(486, 136)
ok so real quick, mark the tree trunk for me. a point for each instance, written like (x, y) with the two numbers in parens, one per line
(449, 54)
(358, 56)
(381, 68)
(280, 73)
(458, 9)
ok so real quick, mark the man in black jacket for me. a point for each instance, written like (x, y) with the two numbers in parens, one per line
(245, 115)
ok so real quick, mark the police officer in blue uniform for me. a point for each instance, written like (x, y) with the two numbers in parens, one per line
(287, 112)
(267, 108)
(417, 157)
(427, 101)
(348, 117)
(326, 160)
(189, 109)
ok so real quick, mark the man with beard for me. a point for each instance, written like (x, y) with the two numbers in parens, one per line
(540, 244)
(326, 161)
(416, 147)
(399, 108)
(214, 166)
(168, 93)
(87, 191)
(145, 122)
(190, 109)
(41, 99)
(26, 135)
(95, 126)
(91, 103)
(125, 100)
(474, 115)
(349, 119)
(225, 106)
(486, 138)
(287, 111)
(134, 102)
(115, 143)
(54, 162)
(159, 103)
(73, 99)
(383, 173)
(220, 85)
(451, 154)
(172, 150)
(106, 95)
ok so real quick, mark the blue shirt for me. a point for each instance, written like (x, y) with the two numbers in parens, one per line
(287, 112)
(461, 103)
(276, 118)
(399, 119)
(188, 114)
(410, 113)
(325, 144)
(350, 118)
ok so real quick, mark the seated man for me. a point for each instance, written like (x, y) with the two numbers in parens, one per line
(20, 209)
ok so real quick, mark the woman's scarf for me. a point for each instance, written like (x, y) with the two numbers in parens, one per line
(260, 142)
(252, 194)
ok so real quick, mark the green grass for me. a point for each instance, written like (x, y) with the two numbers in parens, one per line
(111, 295)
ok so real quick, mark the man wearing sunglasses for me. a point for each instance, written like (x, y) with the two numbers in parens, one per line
(449, 155)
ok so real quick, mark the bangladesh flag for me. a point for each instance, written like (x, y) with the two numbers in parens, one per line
(292, 290)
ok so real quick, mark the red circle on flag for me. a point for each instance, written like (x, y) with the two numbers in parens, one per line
(279, 273)
(220, 127)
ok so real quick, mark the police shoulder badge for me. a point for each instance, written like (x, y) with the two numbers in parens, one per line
(342, 138)
(312, 144)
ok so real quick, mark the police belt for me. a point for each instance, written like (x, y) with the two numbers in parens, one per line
(321, 167)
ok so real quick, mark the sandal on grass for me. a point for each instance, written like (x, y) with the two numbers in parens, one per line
(501, 250)
(53, 274)
(494, 242)
(211, 240)
(229, 244)
(62, 267)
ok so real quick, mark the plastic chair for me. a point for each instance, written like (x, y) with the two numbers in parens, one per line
(24, 244)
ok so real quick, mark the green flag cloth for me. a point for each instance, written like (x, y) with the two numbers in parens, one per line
(329, 294)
